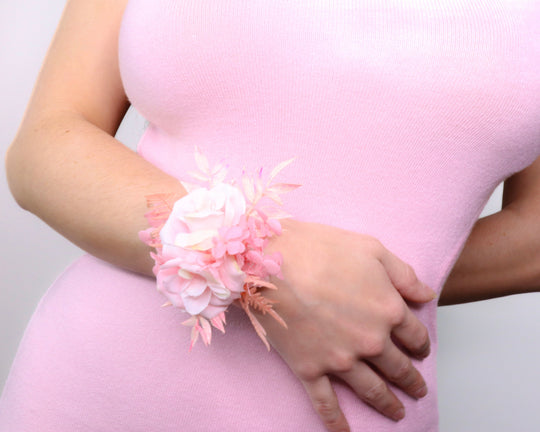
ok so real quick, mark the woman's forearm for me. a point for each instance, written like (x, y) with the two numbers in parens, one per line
(501, 257)
(86, 185)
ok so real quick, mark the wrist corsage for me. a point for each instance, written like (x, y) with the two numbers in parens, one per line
(210, 245)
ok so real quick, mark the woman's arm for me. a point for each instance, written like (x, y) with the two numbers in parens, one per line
(502, 255)
(64, 165)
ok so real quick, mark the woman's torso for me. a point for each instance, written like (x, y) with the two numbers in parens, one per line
(403, 116)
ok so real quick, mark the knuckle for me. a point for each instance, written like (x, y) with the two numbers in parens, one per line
(373, 346)
(402, 372)
(334, 424)
(327, 410)
(374, 246)
(343, 362)
(376, 394)
(395, 311)
(308, 371)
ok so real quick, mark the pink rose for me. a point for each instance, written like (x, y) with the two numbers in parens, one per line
(188, 274)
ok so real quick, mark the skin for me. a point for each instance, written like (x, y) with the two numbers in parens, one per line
(65, 145)
(344, 312)
(501, 256)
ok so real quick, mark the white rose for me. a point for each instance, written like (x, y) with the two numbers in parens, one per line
(197, 217)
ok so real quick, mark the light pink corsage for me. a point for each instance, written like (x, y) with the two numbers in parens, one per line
(209, 246)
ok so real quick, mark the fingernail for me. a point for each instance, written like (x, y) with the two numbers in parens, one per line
(399, 414)
(421, 392)
(433, 293)
(424, 351)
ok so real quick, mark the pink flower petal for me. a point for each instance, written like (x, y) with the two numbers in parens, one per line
(235, 247)
(205, 331)
(219, 250)
(272, 267)
(274, 225)
(211, 311)
(232, 276)
(195, 305)
(195, 287)
(254, 256)
(219, 322)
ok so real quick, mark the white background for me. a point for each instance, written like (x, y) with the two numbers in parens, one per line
(489, 351)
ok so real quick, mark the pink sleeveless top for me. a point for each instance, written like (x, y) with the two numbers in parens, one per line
(403, 117)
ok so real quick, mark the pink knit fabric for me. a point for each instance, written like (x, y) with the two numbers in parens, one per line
(403, 117)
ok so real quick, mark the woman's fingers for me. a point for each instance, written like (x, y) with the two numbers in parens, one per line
(326, 404)
(397, 368)
(404, 278)
(412, 335)
(348, 331)
(372, 389)
(408, 329)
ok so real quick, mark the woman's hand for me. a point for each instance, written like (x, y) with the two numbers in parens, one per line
(342, 297)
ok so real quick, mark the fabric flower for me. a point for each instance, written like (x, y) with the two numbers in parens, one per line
(210, 246)
(188, 275)
(197, 217)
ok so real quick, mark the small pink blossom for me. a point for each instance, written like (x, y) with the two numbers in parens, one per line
(230, 240)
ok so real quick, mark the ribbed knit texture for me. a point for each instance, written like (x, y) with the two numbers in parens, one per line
(403, 117)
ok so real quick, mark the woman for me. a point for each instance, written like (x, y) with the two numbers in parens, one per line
(78, 110)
